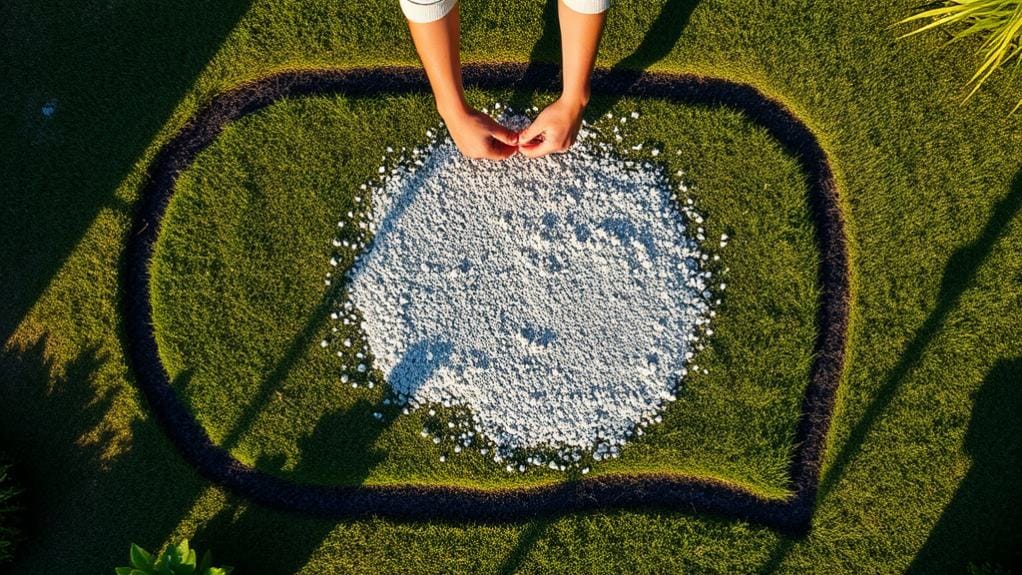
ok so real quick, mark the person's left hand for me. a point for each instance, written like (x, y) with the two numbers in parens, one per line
(554, 130)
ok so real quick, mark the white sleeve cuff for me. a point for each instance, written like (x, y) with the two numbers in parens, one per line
(588, 6)
(423, 11)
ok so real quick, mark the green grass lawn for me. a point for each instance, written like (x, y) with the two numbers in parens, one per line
(238, 292)
(924, 451)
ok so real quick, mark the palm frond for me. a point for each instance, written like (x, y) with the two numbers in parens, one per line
(1000, 21)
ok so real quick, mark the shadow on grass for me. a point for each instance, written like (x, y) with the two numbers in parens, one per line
(341, 437)
(959, 275)
(340, 444)
(113, 73)
(544, 52)
(300, 345)
(528, 537)
(659, 40)
(983, 522)
(82, 509)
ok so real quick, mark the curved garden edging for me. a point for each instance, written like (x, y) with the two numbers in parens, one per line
(415, 502)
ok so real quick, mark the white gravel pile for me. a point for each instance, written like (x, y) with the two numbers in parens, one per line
(556, 299)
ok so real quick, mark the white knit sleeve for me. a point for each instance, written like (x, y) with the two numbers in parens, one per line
(423, 11)
(588, 6)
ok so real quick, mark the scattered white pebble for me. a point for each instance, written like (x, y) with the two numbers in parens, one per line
(559, 314)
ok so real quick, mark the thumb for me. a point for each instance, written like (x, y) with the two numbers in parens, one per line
(530, 133)
(504, 135)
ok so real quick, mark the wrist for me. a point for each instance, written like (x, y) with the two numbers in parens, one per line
(576, 98)
(452, 109)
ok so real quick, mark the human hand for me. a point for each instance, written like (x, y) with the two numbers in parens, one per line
(479, 136)
(554, 130)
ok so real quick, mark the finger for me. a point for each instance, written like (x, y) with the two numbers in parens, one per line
(538, 150)
(498, 150)
(503, 150)
(529, 134)
(504, 135)
(535, 142)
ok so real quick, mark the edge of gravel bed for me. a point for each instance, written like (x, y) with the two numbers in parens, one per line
(449, 503)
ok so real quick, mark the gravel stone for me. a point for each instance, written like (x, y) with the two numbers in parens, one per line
(557, 299)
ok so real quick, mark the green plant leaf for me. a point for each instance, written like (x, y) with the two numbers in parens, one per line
(140, 558)
(206, 563)
(178, 559)
(955, 14)
(183, 548)
(1000, 21)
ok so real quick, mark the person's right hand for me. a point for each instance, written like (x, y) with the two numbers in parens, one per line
(479, 136)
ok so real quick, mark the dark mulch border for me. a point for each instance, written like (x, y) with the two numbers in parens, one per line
(661, 491)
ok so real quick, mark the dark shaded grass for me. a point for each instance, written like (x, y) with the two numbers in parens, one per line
(10, 510)
(335, 437)
(108, 70)
(526, 541)
(54, 424)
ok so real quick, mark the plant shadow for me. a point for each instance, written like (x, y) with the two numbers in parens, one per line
(527, 539)
(87, 87)
(299, 346)
(983, 524)
(959, 275)
(56, 426)
(342, 437)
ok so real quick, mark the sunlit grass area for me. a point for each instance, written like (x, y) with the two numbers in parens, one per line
(924, 448)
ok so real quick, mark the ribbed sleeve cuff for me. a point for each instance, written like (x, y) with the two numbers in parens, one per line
(588, 6)
(423, 11)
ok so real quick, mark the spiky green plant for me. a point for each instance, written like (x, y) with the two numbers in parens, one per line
(999, 21)
(177, 560)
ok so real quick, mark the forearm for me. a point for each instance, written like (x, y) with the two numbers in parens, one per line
(437, 43)
(581, 23)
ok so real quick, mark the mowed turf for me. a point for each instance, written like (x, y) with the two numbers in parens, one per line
(924, 451)
(240, 304)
